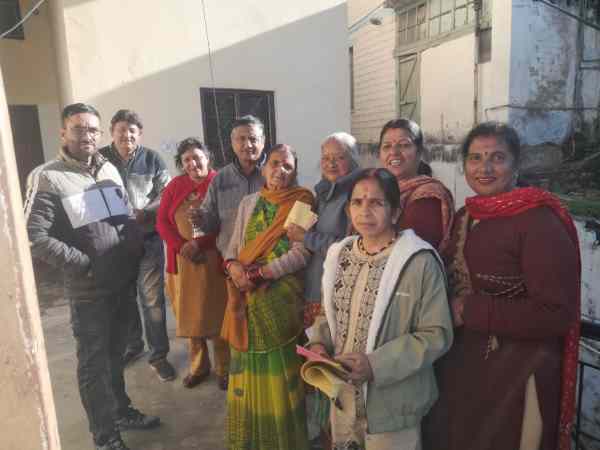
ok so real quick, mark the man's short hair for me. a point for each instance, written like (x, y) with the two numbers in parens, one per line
(78, 108)
(126, 115)
(248, 121)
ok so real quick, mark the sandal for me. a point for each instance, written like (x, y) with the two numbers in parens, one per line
(191, 381)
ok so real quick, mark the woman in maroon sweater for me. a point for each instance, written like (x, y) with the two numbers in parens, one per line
(427, 206)
(513, 264)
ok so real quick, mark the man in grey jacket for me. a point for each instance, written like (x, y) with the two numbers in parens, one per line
(78, 220)
(144, 175)
(234, 181)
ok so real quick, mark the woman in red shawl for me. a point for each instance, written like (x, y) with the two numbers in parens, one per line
(195, 282)
(513, 264)
(427, 206)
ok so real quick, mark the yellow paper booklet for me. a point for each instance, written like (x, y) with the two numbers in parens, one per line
(325, 374)
(301, 215)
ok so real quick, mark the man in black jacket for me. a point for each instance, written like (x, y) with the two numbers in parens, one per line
(78, 219)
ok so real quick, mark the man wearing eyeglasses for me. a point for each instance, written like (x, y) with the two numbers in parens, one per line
(79, 220)
(145, 176)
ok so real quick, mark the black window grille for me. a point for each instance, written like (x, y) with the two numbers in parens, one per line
(233, 104)
(10, 14)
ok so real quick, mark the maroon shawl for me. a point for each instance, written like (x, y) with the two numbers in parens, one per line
(422, 186)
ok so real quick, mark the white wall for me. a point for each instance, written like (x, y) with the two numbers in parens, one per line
(447, 89)
(157, 62)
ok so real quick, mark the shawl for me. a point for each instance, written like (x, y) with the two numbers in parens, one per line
(173, 195)
(513, 203)
(235, 322)
(423, 186)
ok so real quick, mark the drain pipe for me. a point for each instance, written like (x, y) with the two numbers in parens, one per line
(477, 7)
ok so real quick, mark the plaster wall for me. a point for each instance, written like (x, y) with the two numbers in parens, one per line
(447, 89)
(30, 73)
(542, 72)
(157, 63)
(494, 80)
(27, 414)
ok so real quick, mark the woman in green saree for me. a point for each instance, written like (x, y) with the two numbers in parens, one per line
(265, 399)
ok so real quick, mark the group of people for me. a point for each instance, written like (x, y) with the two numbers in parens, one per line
(458, 330)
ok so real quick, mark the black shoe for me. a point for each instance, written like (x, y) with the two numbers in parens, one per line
(115, 443)
(164, 370)
(132, 355)
(136, 420)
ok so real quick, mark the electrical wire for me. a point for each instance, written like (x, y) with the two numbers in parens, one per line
(212, 81)
(22, 21)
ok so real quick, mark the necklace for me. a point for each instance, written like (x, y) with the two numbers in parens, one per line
(361, 246)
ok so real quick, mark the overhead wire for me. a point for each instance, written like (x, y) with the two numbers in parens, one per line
(212, 81)
(22, 21)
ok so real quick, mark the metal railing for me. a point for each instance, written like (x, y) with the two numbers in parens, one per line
(589, 330)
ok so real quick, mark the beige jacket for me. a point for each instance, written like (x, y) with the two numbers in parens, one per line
(410, 328)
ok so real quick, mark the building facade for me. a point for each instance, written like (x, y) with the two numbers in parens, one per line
(450, 64)
(285, 62)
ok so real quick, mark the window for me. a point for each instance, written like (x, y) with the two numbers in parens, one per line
(412, 24)
(433, 18)
(232, 104)
(10, 14)
(485, 45)
(351, 61)
(448, 15)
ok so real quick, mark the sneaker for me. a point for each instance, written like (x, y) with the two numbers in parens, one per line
(115, 443)
(136, 420)
(132, 355)
(164, 370)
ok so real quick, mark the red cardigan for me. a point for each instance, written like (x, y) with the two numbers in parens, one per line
(173, 195)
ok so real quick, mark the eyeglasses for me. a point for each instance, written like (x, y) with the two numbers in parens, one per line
(83, 131)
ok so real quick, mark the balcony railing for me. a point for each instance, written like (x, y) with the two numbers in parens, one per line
(589, 331)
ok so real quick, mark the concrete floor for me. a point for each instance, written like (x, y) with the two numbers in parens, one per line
(191, 418)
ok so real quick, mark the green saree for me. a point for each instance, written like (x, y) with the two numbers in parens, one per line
(265, 400)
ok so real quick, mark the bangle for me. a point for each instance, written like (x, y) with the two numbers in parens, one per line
(254, 274)
(226, 264)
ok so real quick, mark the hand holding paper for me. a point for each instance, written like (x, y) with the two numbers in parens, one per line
(301, 215)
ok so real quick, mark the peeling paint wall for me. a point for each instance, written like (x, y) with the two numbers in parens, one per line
(543, 72)
(590, 82)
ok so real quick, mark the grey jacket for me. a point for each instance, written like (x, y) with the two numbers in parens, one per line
(144, 175)
(78, 220)
(332, 226)
(220, 205)
(410, 328)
